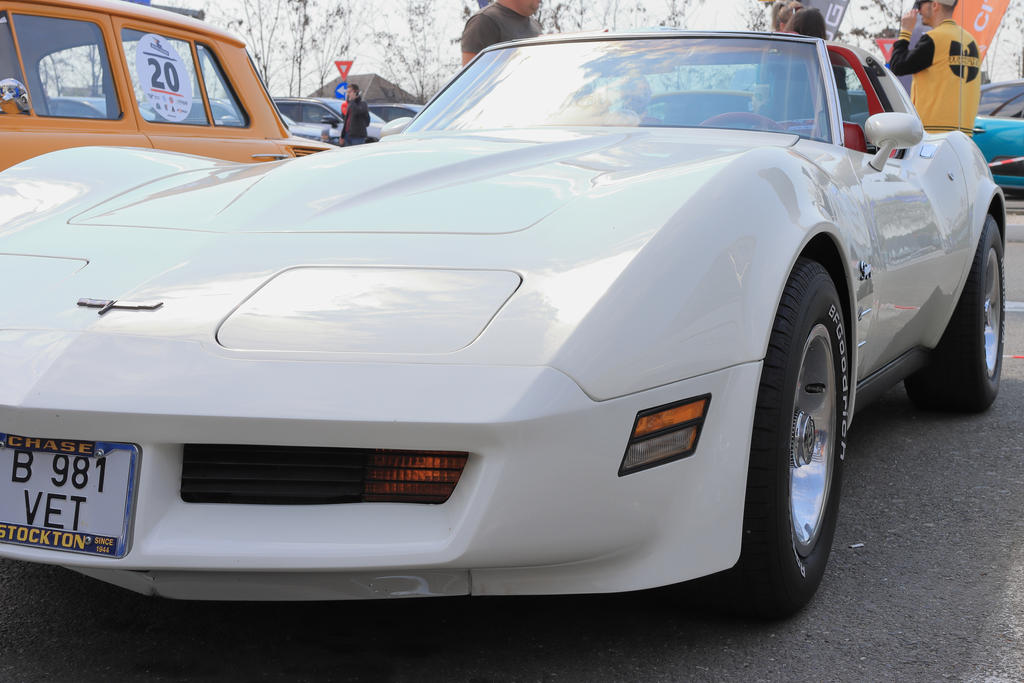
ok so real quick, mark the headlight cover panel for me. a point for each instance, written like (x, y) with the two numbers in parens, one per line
(322, 309)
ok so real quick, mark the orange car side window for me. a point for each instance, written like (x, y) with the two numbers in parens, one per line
(164, 79)
(223, 102)
(9, 66)
(66, 68)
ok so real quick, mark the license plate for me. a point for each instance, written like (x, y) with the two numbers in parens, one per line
(67, 495)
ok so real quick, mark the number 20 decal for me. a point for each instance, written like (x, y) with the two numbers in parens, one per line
(169, 72)
(160, 69)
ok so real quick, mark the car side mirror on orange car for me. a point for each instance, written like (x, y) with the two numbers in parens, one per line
(14, 97)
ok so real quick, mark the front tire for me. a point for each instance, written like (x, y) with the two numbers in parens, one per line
(963, 372)
(796, 452)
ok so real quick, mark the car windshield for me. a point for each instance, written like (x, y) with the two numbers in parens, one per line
(718, 82)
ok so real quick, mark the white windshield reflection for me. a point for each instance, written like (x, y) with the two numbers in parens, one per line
(746, 83)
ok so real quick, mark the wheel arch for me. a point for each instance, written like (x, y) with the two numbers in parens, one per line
(726, 264)
(984, 195)
(997, 209)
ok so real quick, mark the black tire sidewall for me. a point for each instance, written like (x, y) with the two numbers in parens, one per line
(956, 377)
(798, 576)
(990, 240)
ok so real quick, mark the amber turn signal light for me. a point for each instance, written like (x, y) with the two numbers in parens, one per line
(665, 433)
(414, 477)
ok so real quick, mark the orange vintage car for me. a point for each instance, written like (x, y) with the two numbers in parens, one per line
(108, 72)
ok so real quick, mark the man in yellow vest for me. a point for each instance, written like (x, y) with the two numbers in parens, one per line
(946, 68)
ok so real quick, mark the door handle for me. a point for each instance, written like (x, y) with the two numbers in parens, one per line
(270, 157)
(978, 129)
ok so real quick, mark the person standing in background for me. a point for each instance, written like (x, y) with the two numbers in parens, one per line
(808, 22)
(782, 12)
(946, 67)
(504, 20)
(357, 118)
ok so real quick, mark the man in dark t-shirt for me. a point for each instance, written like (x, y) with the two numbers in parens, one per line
(498, 22)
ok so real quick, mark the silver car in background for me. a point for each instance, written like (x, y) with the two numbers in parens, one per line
(318, 111)
(376, 122)
(390, 111)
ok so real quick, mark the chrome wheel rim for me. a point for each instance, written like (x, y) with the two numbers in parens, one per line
(812, 440)
(993, 311)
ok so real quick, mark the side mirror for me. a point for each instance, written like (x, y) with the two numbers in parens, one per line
(14, 97)
(889, 131)
(330, 121)
(395, 126)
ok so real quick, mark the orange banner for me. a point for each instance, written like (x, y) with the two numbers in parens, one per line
(981, 19)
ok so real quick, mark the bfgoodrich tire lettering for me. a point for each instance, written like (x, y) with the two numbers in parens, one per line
(796, 453)
(964, 369)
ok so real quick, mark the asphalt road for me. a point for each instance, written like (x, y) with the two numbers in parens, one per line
(926, 582)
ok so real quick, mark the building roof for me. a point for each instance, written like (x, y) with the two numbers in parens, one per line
(374, 88)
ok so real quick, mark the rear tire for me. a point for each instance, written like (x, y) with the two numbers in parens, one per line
(963, 372)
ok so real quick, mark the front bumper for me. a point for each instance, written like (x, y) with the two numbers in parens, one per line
(539, 509)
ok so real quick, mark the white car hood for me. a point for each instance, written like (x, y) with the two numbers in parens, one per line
(494, 183)
(506, 249)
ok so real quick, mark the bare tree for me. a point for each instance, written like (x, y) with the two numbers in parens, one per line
(580, 15)
(875, 19)
(299, 21)
(675, 17)
(635, 15)
(469, 7)
(76, 71)
(755, 15)
(293, 42)
(886, 13)
(258, 22)
(1015, 27)
(1006, 53)
(553, 17)
(681, 13)
(622, 14)
(416, 57)
(609, 14)
(566, 16)
(336, 27)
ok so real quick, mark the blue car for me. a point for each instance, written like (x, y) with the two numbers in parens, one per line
(999, 131)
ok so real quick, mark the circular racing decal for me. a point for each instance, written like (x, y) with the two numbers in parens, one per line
(163, 77)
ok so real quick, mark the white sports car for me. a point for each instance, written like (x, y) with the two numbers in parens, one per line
(597, 320)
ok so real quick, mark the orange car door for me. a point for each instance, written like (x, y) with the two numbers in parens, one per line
(185, 99)
(63, 58)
